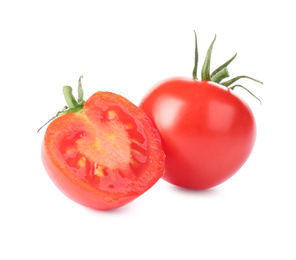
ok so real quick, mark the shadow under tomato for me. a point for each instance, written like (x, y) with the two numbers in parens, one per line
(125, 209)
(207, 192)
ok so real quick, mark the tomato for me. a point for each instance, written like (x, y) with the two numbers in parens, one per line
(105, 154)
(207, 131)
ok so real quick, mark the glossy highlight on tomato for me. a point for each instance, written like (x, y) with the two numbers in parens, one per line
(105, 155)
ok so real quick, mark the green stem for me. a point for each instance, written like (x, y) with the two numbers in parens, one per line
(194, 73)
(220, 75)
(232, 88)
(62, 112)
(70, 99)
(223, 66)
(80, 100)
(73, 105)
(231, 81)
(205, 72)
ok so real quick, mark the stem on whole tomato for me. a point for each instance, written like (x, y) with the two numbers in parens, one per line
(220, 73)
(194, 73)
(205, 71)
(231, 81)
(232, 88)
(223, 66)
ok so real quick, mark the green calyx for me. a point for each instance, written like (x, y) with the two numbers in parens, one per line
(220, 73)
(73, 105)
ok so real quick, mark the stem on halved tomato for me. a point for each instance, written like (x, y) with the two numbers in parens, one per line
(73, 105)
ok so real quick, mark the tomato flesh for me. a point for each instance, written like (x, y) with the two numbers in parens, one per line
(207, 131)
(102, 156)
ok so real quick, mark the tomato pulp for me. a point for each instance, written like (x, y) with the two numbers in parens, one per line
(207, 131)
(105, 155)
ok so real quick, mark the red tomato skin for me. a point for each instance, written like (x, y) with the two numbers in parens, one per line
(207, 131)
(82, 191)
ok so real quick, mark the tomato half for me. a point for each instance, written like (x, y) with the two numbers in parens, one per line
(207, 131)
(105, 155)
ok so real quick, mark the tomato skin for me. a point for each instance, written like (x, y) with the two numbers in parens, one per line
(104, 156)
(207, 131)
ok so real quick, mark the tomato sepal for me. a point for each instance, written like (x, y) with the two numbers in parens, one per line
(220, 73)
(73, 105)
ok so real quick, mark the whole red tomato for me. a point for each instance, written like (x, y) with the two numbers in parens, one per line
(102, 153)
(207, 131)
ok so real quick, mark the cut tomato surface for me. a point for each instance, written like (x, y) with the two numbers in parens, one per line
(105, 155)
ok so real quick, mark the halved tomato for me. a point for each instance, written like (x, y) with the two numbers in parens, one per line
(105, 154)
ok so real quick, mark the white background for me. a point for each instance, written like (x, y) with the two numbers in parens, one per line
(126, 47)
